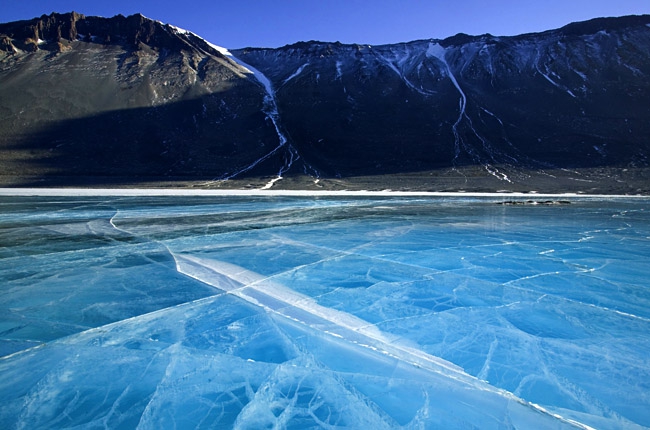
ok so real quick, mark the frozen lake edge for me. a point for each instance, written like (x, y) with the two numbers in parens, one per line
(119, 192)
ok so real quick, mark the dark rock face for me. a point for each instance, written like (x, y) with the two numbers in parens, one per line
(575, 97)
(128, 96)
(69, 27)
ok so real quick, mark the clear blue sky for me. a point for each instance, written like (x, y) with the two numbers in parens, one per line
(274, 23)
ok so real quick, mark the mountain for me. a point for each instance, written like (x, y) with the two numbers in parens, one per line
(88, 100)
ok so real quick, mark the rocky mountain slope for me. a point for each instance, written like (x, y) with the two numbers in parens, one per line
(97, 100)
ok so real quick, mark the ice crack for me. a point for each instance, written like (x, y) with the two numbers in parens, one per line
(280, 300)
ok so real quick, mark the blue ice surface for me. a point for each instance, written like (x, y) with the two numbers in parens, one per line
(323, 312)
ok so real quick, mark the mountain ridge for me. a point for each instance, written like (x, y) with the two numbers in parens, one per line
(464, 112)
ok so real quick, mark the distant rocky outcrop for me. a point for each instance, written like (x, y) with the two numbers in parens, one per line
(95, 99)
(69, 27)
(6, 45)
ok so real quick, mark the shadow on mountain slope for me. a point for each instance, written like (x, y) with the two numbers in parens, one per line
(179, 139)
(192, 141)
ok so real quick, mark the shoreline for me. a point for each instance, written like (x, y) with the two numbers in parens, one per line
(155, 192)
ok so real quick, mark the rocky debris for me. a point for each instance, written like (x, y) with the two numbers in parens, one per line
(134, 30)
(6, 45)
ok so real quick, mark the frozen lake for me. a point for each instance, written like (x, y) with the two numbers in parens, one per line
(324, 312)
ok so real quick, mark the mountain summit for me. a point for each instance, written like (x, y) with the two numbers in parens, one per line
(88, 100)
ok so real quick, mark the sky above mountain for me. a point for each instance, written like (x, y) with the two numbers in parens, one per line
(274, 23)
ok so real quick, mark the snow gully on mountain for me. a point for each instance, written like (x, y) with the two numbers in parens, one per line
(547, 77)
(437, 51)
(391, 63)
(271, 110)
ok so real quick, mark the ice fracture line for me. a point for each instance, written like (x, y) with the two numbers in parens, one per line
(280, 300)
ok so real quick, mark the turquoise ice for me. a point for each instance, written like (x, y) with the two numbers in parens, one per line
(325, 312)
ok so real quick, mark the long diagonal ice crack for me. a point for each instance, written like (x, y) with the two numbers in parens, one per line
(281, 300)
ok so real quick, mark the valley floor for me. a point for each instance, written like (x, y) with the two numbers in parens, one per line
(604, 180)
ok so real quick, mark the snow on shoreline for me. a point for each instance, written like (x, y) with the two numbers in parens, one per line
(120, 192)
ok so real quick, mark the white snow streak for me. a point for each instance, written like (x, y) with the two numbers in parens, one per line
(272, 182)
(271, 110)
(492, 115)
(397, 69)
(339, 73)
(548, 78)
(437, 51)
(296, 73)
